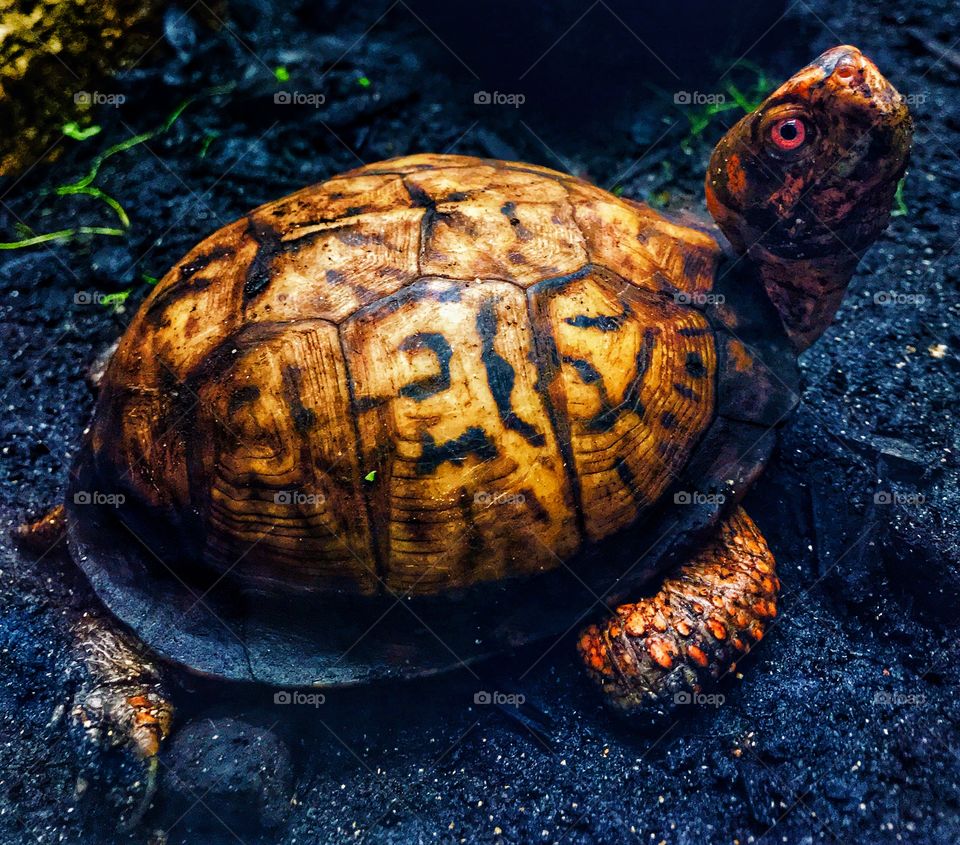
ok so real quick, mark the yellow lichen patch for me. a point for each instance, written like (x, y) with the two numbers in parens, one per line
(329, 270)
(278, 469)
(470, 482)
(634, 384)
(643, 246)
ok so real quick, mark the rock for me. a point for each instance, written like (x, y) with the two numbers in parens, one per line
(241, 772)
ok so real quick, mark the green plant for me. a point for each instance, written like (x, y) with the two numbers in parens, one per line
(899, 204)
(85, 185)
(73, 130)
(746, 99)
(116, 300)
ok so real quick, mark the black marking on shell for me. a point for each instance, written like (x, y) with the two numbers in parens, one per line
(606, 419)
(431, 385)
(587, 372)
(603, 322)
(242, 396)
(157, 308)
(627, 478)
(645, 355)
(419, 197)
(451, 294)
(474, 441)
(303, 418)
(268, 245)
(546, 358)
(201, 261)
(186, 283)
(501, 375)
(509, 210)
(694, 365)
(534, 506)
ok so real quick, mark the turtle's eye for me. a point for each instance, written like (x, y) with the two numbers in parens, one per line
(788, 133)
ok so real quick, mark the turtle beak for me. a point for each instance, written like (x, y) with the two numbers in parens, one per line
(859, 88)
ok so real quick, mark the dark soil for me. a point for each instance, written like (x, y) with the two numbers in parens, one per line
(844, 727)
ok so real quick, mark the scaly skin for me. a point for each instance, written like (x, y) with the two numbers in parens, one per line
(803, 217)
(662, 650)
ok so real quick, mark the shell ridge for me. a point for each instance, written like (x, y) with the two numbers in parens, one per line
(380, 565)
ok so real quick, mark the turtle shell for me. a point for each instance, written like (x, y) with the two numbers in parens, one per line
(427, 409)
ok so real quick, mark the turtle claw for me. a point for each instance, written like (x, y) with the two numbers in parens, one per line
(124, 715)
(44, 534)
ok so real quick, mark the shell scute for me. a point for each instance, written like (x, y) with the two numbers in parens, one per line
(619, 370)
(470, 481)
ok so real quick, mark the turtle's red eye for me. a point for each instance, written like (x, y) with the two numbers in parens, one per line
(789, 133)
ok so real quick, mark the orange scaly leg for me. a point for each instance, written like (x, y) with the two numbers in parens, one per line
(664, 650)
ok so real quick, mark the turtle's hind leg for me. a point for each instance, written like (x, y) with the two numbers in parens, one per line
(121, 701)
(121, 705)
(662, 651)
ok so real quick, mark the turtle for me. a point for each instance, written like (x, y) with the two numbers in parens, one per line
(442, 406)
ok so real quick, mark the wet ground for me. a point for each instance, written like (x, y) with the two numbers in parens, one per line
(845, 726)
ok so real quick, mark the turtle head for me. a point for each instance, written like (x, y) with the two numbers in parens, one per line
(802, 186)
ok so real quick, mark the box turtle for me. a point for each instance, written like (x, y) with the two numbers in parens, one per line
(441, 406)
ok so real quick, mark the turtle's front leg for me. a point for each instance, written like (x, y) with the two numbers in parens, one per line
(664, 650)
